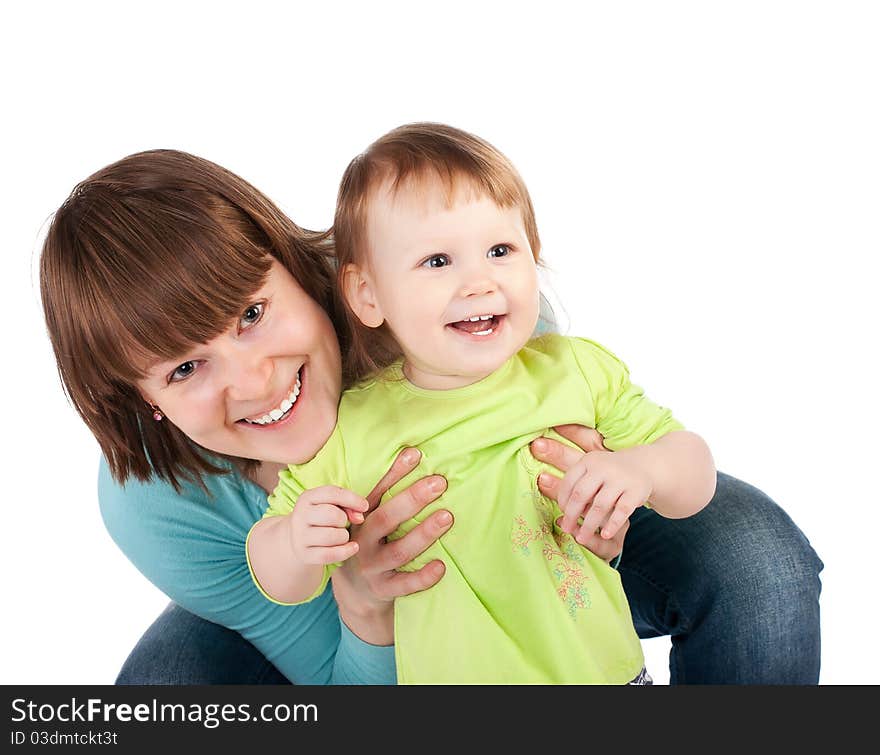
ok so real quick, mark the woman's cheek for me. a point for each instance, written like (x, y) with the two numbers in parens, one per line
(199, 414)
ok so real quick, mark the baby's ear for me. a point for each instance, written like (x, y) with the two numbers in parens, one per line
(357, 288)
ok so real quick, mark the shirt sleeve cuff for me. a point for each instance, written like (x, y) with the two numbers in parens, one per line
(328, 570)
(358, 662)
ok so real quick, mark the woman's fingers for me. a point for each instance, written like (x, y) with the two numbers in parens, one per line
(400, 552)
(555, 453)
(406, 583)
(549, 485)
(406, 461)
(405, 505)
(331, 555)
(378, 558)
(587, 438)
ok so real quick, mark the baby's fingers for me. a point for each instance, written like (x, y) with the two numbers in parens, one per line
(580, 498)
(597, 517)
(326, 515)
(342, 497)
(626, 504)
(324, 537)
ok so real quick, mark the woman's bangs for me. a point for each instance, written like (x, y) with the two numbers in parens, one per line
(185, 293)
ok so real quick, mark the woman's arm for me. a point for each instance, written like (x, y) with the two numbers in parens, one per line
(190, 545)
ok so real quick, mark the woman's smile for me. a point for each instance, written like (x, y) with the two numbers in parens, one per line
(235, 400)
(281, 411)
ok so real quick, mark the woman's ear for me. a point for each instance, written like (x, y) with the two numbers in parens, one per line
(357, 288)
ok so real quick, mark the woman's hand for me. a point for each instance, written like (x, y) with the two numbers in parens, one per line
(565, 458)
(366, 585)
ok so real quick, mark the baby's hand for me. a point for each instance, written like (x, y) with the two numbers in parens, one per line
(318, 524)
(604, 488)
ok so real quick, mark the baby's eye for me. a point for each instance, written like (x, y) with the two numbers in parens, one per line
(499, 250)
(252, 314)
(437, 260)
(182, 372)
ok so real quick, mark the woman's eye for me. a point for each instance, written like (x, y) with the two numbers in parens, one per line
(252, 314)
(182, 372)
(499, 250)
(437, 260)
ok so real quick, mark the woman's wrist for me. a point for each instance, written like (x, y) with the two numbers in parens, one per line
(371, 622)
(369, 618)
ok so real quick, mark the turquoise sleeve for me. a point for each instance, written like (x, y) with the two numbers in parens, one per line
(356, 661)
(191, 546)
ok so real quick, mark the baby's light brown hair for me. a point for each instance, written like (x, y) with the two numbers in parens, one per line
(403, 157)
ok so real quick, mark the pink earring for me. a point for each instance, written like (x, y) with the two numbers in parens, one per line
(157, 413)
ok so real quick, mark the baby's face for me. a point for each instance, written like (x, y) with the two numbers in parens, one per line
(456, 283)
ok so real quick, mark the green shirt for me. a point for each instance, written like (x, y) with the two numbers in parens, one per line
(521, 601)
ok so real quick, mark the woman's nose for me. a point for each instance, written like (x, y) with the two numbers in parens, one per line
(250, 379)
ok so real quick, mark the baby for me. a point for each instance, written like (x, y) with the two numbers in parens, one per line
(438, 250)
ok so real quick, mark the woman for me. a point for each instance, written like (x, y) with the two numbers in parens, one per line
(185, 309)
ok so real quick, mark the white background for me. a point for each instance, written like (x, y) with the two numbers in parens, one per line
(706, 178)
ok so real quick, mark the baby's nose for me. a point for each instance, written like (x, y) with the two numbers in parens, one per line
(478, 286)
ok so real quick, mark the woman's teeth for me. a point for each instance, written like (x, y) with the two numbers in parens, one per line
(281, 410)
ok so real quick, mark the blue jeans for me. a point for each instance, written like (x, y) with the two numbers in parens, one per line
(736, 586)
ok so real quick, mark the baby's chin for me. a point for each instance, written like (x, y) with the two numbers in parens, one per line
(465, 373)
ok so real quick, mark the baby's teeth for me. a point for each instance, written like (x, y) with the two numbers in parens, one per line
(276, 414)
(265, 418)
(285, 405)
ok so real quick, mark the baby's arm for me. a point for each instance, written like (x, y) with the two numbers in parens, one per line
(289, 553)
(682, 473)
(675, 474)
(655, 460)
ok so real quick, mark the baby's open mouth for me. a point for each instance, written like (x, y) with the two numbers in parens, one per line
(478, 325)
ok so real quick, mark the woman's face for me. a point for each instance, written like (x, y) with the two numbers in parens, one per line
(267, 388)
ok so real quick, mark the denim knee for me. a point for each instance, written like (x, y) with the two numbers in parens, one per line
(750, 552)
(181, 648)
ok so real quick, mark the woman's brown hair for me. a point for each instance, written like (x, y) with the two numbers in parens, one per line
(146, 258)
(412, 153)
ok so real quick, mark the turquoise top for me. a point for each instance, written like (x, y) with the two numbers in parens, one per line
(192, 547)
